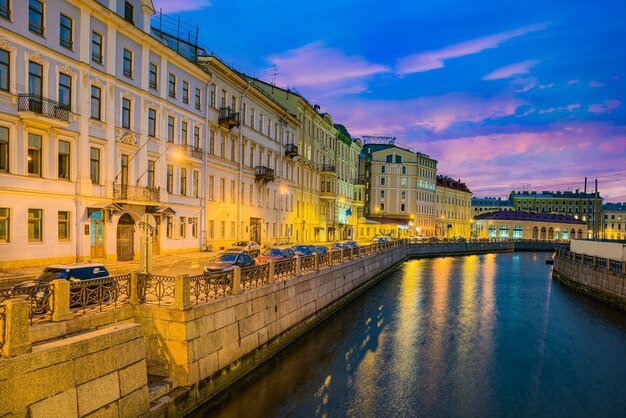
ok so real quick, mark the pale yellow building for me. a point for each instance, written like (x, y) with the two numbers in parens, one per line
(453, 208)
(528, 225)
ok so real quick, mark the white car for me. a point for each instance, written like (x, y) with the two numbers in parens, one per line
(251, 247)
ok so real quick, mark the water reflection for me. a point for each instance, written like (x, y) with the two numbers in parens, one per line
(488, 335)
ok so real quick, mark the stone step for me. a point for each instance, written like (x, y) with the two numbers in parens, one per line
(159, 386)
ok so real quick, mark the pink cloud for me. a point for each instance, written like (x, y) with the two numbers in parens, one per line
(570, 82)
(315, 64)
(596, 84)
(180, 5)
(606, 106)
(511, 70)
(545, 86)
(432, 60)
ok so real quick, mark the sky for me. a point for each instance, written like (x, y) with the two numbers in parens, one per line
(506, 95)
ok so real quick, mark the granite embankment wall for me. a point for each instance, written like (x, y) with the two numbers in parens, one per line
(600, 278)
(102, 372)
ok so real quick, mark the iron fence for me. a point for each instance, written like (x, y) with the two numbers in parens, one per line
(323, 260)
(284, 269)
(96, 294)
(335, 257)
(210, 286)
(155, 289)
(307, 264)
(255, 276)
(31, 102)
(38, 297)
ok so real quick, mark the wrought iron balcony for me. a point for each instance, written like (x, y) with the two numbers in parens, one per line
(38, 105)
(328, 168)
(228, 117)
(194, 151)
(291, 150)
(138, 193)
(263, 174)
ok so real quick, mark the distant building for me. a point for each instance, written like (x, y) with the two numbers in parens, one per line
(614, 225)
(482, 205)
(453, 208)
(528, 225)
(581, 205)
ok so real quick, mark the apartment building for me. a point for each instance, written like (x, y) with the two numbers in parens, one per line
(101, 123)
(453, 208)
(614, 226)
(482, 205)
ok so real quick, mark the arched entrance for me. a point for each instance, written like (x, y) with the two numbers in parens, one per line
(125, 238)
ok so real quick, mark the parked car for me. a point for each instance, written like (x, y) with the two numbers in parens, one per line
(351, 244)
(228, 259)
(321, 249)
(276, 254)
(379, 239)
(250, 247)
(338, 246)
(433, 239)
(303, 250)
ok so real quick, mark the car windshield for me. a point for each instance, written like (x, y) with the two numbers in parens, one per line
(225, 258)
(50, 274)
(240, 244)
(301, 248)
(277, 252)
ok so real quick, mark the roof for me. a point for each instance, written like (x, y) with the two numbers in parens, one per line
(519, 215)
(554, 195)
(388, 221)
(449, 183)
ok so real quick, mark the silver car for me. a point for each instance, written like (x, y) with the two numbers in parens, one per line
(251, 247)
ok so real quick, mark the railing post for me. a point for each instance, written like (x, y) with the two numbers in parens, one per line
(297, 265)
(351, 253)
(595, 264)
(133, 288)
(236, 285)
(15, 338)
(182, 292)
(60, 300)
(623, 267)
(316, 265)
(341, 256)
(270, 272)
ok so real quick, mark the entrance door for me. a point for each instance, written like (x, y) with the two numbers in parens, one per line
(255, 230)
(125, 238)
(96, 234)
(156, 236)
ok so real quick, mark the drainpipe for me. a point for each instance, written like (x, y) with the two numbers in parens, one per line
(205, 170)
(241, 156)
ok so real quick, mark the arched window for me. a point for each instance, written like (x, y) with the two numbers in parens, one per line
(535, 233)
(580, 234)
(504, 231)
(557, 234)
(565, 234)
(543, 232)
(572, 233)
(551, 233)
(492, 230)
(518, 232)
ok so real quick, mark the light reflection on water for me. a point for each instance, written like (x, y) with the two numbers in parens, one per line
(488, 335)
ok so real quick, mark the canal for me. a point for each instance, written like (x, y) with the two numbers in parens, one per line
(489, 335)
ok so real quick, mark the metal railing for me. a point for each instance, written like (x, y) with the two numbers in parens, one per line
(615, 267)
(155, 289)
(335, 256)
(3, 325)
(95, 294)
(291, 150)
(284, 269)
(38, 297)
(307, 264)
(139, 193)
(255, 276)
(323, 260)
(264, 173)
(328, 168)
(43, 106)
(210, 286)
(228, 117)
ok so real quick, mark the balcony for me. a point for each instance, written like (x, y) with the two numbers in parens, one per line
(136, 193)
(228, 118)
(327, 168)
(291, 150)
(193, 151)
(44, 111)
(263, 174)
(359, 181)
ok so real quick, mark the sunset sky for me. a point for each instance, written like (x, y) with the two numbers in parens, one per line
(504, 94)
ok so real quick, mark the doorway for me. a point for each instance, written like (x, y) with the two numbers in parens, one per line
(255, 230)
(96, 233)
(125, 238)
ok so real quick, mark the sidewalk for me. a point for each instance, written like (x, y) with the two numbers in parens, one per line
(170, 264)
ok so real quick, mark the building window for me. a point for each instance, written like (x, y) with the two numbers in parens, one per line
(5, 225)
(211, 188)
(35, 81)
(127, 61)
(5, 9)
(195, 185)
(65, 32)
(125, 113)
(222, 190)
(212, 95)
(64, 226)
(185, 92)
(492, 231)
(183, 227)
(96, 103)
(183, 181)
(170, 178)
(183, 133)
(64, 160)
(169, 226)
(97, 52)
(170, 129)
(172, 85)
(196, 137)
(129, 11)
(382, 194)
(65, 91)
(398, 159)
(153, 74)
(4, 149)
(389, 158)
(402, 207)
(518, 232)
(504, 231)
(211, 230)
(223, 229)
(194, 227)
(150, 174)
(124, 162)
(152, 123)
(382, 169)
(198, 98)
(34, 154)
(35, 225)
(5, 73)
(403, 182)
(94, 165)
(35, 17)
(382, 181)
(403, 169)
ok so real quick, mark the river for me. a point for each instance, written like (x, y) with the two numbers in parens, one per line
(475, 336)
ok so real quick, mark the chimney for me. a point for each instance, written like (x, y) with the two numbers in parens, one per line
(317, 109)
(585, 184)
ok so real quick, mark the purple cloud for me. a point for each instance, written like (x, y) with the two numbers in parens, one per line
(180, 5)
(511, 70)
(432, 60)
(606, 106)
(315, 65)
(596, 84)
